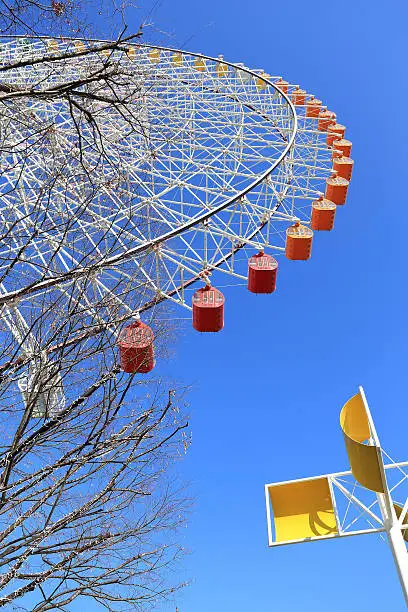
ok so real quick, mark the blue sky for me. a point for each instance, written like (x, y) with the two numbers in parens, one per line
(268, 389)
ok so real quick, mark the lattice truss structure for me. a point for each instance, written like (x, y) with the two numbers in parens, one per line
(333, 505)
(118, 206)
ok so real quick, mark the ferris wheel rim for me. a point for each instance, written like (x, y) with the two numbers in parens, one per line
(126, 255)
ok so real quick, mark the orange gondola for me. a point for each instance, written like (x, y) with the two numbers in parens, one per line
(299, 240)
(323, 213)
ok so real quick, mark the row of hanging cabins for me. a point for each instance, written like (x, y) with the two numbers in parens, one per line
(136, 340)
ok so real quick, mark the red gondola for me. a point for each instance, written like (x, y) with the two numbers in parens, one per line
(208, 309)
(136, 351)
(262, 270)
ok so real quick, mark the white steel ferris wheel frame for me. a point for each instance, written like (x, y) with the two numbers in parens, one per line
(200, 219)
(213, 234)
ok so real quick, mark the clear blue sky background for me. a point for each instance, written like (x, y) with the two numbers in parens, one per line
(268, 389)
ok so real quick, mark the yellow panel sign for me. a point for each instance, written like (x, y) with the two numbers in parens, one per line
(302, 509)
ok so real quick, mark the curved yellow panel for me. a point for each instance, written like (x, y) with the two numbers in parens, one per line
(353, 419)
(364, 460)
(365, 464)
(302, 509)
(398, 509)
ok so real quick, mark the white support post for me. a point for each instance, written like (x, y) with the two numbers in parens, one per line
(391, 523)
(395, 540)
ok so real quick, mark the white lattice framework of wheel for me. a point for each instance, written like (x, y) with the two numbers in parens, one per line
(221, 163)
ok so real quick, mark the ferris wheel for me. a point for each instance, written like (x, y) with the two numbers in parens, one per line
(209, 169)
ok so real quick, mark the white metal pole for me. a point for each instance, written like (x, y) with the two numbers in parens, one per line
(395, 540)
(391, 524)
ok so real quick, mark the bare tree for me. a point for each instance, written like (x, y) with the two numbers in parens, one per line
(89, 501)
(90, 18)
